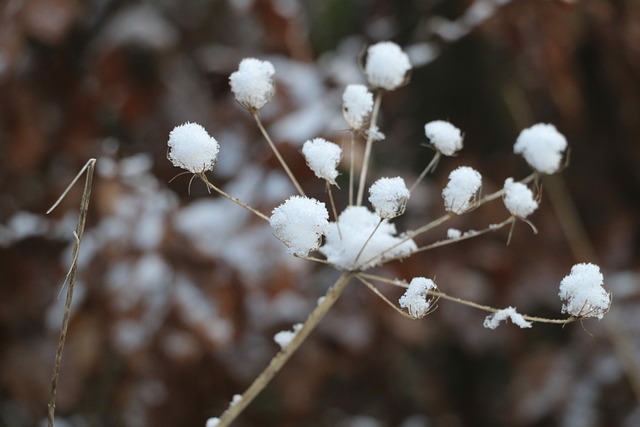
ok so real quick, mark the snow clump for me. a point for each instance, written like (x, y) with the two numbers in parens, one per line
(389, 197)
(518, 199)
(446, 138)
(582, 292)
(542, 147)
(252, 84)
(464, 183)
(284, 338)
(357, 104)
(322, 158)
(299, 223)
(345, 248)
(387, 65)
(493, 320)
(416, 298)
(192, 148)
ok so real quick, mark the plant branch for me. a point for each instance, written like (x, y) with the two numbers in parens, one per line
(70, 278)
(281, 358)
(277, 152)
(367, 150)
(209, 185)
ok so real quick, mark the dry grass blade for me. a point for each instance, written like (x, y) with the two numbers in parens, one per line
(70, 279)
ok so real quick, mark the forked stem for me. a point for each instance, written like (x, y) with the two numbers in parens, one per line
(277, 153)
(281, 358)
(70, 279)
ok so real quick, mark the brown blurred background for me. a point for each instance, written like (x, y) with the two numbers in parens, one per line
(179, 294)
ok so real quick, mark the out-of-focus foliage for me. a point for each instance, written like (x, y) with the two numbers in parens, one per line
(180, 294)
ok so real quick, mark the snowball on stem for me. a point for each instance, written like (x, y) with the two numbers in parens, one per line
(299, 223)
(192, 148)
(582, 292)
(445, 137)
(518, 199)
(416, 298)
(389, 197)
(464, 183)
(542, 146)
(252, 85)
(357, 105)
(387, 65)
(322, 158)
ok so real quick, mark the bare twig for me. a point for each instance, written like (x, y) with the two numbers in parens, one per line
(281, 358)
(239, 202)
(71, 278)
(368, 146)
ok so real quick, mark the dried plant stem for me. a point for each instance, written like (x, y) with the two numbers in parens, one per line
(351, 167)
(440, 294)
(375, 290)
(277, 153)
(281, 358)
(209, 185)
(368, 147)
(70, 279)
(431, 166)
(367, 242)
(333, 208)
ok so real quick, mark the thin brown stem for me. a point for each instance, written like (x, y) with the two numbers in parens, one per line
(333, 209)
(281, 358)
(368, 146)
(210, 186)
(351, 167)
(277, 153)
(70, 279)
(375, 290)
(431, 166)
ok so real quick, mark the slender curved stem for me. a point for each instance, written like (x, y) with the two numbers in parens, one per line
(277, 153)
(351, 167)
(239, 202)
(367, 149)
(70, 279)
(281, 358)
(431, 166)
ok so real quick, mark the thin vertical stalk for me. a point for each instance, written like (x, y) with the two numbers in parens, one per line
(71, 279)
(369, 145)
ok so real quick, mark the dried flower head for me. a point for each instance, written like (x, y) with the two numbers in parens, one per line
(192, 148)
(252, 84)
(387, 66)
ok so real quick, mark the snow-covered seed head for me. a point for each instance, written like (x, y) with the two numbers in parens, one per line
(387, 66)
(389, 197)
(252, 84)
(357, 104)
(518, 199)
(582, 292)
(542, 146)
(192, 148)
(445, 137)
(299, 223)
(464, 183)
(322, 158)
(416, 299)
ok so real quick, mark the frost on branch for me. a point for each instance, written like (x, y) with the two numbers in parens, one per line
(322, 158)
(283, 338)
(299, 223)
(445, 137)
(493, 320)
(191, 148)
(357, 104)
(416, 298)
(542, 147)
(252, 84)
(387, 66)
(389, 197)
(518, 199)
(357, 224)
(582, 292)
(464, 183)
